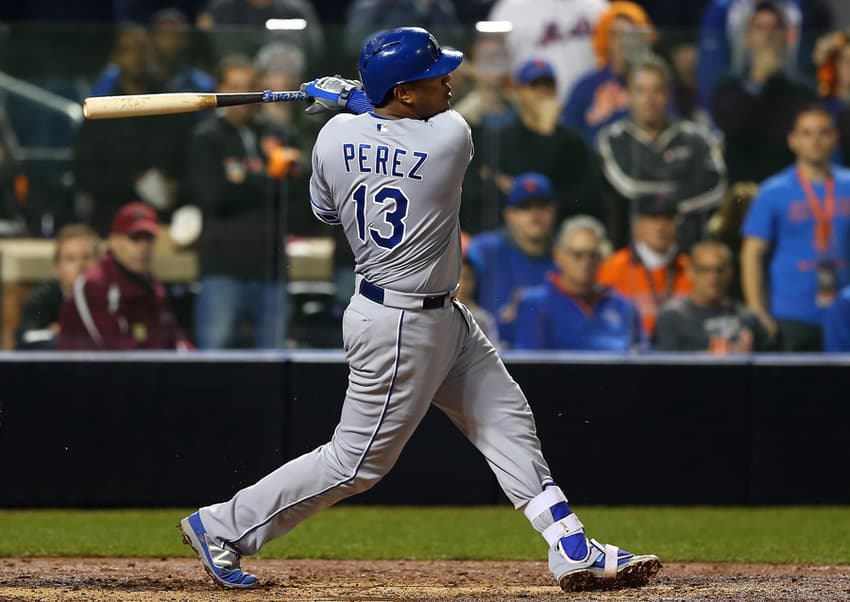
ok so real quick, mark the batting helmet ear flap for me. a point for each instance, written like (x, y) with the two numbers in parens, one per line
(402, 55)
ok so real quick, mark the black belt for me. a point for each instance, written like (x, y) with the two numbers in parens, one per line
(375, 293)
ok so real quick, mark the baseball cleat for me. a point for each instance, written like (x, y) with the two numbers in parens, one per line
(604, 567)
(222, 564)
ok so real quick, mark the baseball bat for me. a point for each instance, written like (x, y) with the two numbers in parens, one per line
(138, 105)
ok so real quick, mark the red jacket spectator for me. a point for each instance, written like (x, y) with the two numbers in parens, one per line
(112, 308)
(116, 307)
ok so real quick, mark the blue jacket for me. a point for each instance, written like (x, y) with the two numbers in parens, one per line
(549, 318)
(502, 271)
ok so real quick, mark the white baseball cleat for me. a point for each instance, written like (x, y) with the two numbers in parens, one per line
(604, 567)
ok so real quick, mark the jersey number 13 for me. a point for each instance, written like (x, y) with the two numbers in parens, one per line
(393, 216)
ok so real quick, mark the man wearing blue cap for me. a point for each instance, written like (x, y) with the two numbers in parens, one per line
(519, 256)
(534, 142)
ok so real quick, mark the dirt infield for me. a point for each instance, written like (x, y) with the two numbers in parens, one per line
(102, 579)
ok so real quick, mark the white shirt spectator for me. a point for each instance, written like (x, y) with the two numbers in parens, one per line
(557, 30)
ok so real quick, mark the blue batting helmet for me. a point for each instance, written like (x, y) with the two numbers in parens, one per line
(402, 55)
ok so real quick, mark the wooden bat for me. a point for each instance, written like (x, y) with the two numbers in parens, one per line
(137, 105)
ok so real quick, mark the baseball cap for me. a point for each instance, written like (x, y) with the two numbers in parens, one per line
(134, 218)
(656, 204)
(530, 186)
(534, 69)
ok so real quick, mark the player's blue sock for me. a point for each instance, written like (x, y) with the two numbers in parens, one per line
(575, 546)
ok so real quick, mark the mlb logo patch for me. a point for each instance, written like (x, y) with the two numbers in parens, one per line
(383, 127)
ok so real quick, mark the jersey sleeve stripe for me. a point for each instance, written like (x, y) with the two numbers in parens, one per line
(317, 207)
(329, 216)
(333, 221)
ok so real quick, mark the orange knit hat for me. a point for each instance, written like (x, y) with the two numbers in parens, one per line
(602, 34)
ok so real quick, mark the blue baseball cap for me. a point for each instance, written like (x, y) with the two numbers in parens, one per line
(530, 186)
(534, 69)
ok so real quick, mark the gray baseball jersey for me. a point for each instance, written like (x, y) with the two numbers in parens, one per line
(395, 187)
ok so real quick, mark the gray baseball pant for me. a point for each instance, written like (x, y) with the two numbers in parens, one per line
(400, 361)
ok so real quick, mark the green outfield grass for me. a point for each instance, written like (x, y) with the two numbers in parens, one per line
(779, 535)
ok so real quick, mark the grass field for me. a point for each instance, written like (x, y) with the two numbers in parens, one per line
(818, 535)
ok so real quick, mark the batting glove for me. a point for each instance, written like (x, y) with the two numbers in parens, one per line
(333, 93)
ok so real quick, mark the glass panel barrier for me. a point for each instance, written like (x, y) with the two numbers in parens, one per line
(604, 160)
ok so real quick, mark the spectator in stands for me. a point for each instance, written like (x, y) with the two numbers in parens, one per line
(169, 44)
(683, 55)
(725, 29)
(228, 178)
(119, 304)
(836, 324)
(170, 36)
(76, 252)
(571, 310)
(832, 57)
(725, 227)
(648, 153)
(365, 17)
(242, 26)
(487, 104)
(534, 142)
(756, 108)
(800, 223)
(506, 261)
(117, 161)
(280, 66)
(286, 136)
(622, 36)
(707, 319)
(651, 270)
(559, 32)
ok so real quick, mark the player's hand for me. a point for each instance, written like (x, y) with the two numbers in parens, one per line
(330, 93)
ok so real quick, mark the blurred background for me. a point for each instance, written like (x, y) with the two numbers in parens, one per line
(620, 197)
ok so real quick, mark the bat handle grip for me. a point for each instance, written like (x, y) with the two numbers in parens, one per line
(270, 96)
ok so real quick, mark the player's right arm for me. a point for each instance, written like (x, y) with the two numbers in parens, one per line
(321, 199)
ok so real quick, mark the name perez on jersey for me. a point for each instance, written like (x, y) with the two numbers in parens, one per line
(383, 160)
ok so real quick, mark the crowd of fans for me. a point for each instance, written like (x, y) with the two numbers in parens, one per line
(644, 178)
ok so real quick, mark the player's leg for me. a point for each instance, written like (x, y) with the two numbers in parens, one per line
(396, 359)
(481, 398)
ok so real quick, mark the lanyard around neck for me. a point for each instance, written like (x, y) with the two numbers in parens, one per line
(823, 214)
(670, 272)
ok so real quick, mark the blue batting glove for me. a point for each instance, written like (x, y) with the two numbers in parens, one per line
(334, 93)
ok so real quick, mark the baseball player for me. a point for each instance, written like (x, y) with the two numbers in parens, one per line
(391, 177)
